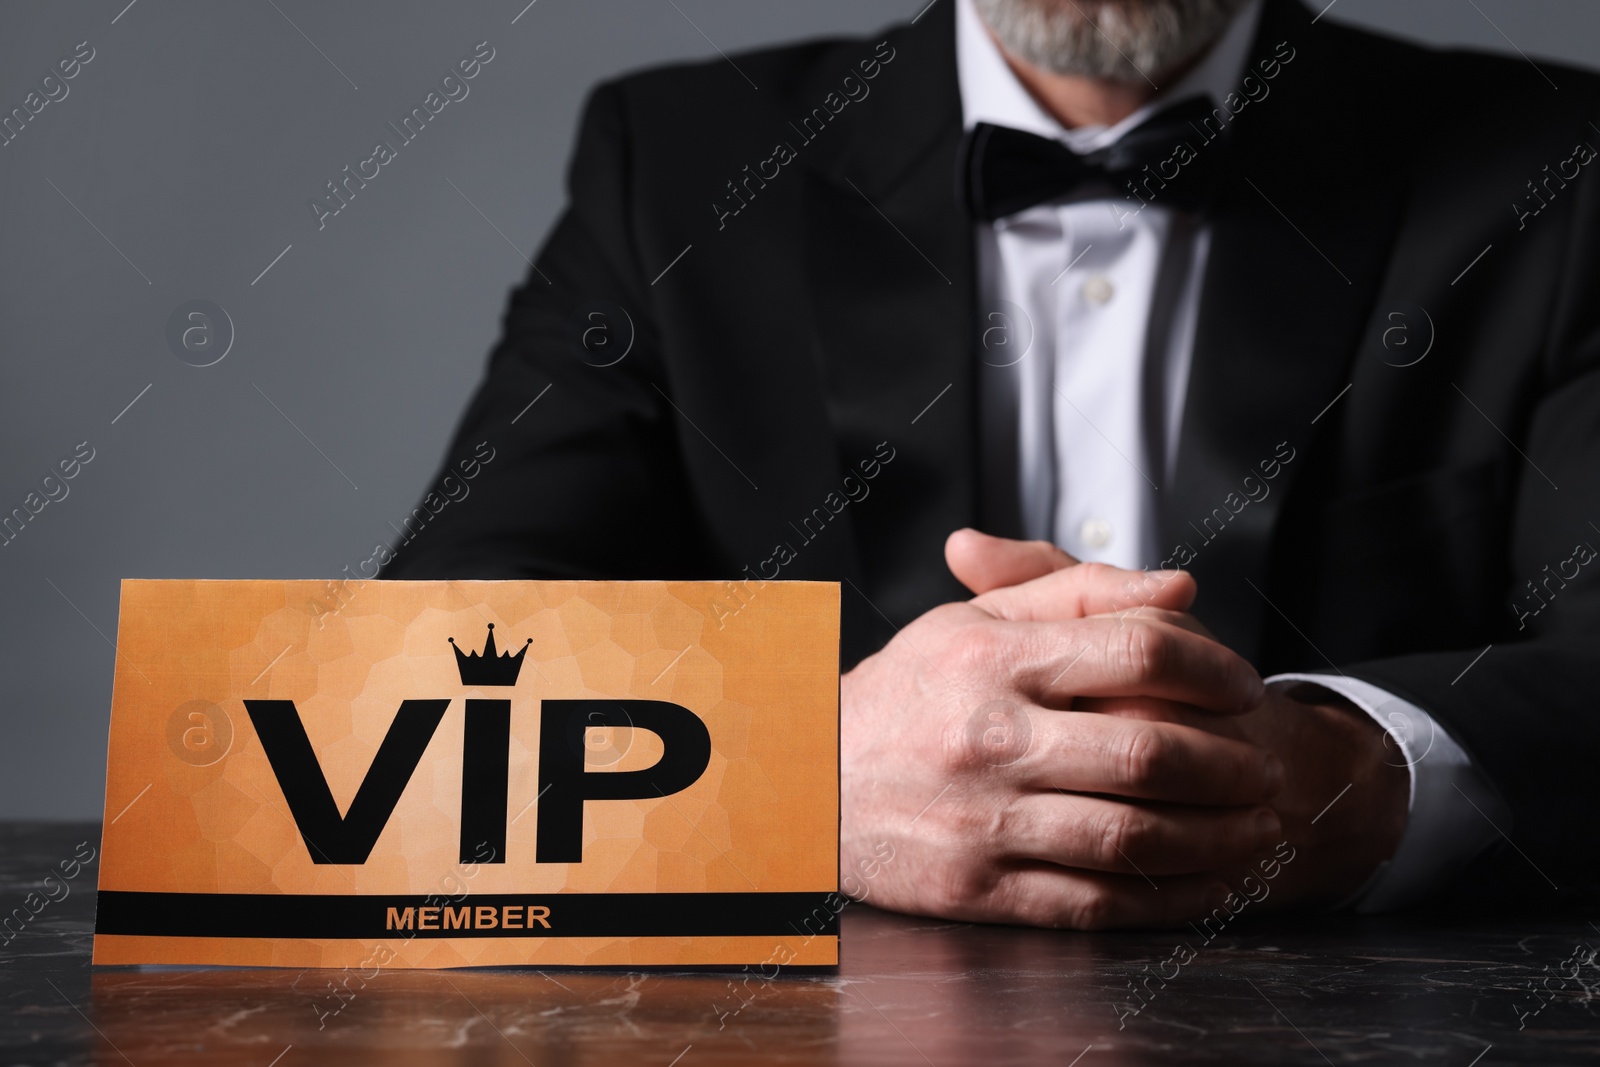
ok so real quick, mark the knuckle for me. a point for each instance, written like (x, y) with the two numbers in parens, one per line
(1127, 831)
(1137, 651)
(964, 843)
(960, 887)
(1095, 909)
(1018, 901)
(973, 649)
(1097, 575)
(960, 753)
(1143, 756)
(996, 824)
(967, 749)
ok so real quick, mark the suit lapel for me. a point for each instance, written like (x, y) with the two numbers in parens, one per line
(1299, 239)
(888, 254)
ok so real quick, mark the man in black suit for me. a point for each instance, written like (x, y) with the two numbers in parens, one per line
(1323, 349)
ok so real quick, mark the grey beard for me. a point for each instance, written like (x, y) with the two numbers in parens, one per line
(1114, 40)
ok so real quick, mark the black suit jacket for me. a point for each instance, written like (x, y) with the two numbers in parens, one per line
(787, 323)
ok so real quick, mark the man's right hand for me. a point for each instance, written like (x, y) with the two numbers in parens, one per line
(961, 753)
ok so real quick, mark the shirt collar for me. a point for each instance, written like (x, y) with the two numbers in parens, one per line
(991, 93)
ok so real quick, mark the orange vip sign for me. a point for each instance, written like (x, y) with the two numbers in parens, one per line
(448, 774)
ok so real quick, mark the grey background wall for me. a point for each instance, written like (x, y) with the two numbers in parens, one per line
(178, 167)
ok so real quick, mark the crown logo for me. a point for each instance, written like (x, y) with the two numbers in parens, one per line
(489, 668)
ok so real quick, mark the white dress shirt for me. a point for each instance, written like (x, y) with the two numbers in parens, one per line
(1088, 317)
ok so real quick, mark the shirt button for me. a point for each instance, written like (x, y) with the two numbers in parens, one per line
(1098, 289)
(1096, 533)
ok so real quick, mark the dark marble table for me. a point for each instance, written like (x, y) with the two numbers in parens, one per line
(1420, 989)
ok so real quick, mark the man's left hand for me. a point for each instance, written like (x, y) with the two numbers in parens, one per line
(1346, 792)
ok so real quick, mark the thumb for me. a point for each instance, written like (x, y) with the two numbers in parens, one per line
(982, 562)
(1095, 589)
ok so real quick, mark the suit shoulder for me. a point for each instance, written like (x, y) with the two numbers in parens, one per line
(1482, 74)
(1442, 107)
(1460, 79)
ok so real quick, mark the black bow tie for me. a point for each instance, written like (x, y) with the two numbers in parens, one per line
(1170, 160)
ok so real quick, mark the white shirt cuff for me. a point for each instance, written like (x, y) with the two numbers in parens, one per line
(1443, 831)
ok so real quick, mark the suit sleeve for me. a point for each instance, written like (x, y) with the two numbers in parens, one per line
(1525, 712)
(1443, 835)
(583, 477)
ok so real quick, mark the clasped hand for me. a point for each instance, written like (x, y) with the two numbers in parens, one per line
(1072, 748)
